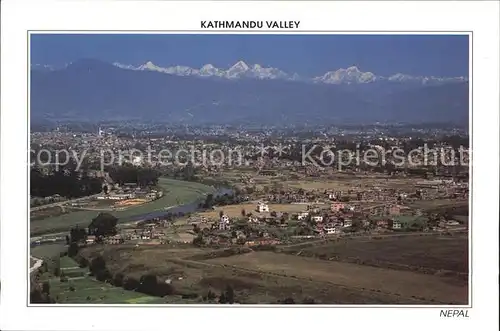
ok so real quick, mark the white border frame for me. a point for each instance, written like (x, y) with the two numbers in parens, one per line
(479, 17)
(268, 32)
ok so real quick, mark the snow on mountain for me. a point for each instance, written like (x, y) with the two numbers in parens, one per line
(350, 75)
(124, 66)
(209, 70)
(238, 70)
(268, 73)
(425, 80)
(182, 71)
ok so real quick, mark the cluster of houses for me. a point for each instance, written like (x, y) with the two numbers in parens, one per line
(131, 191)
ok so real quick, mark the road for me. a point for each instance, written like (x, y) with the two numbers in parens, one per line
(38, 264)
(61, 203)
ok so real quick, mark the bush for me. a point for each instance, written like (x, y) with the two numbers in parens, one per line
(118, 279)
(211, 295)
(130, 283)
(163, 289)
(72, 250)
(82, 262)
(148, 284)
(103, 275)
(97, 264)
(45, 288)
(190, 295)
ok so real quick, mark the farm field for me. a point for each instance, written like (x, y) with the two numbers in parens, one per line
(461, 206)
(267, 277)
(175, 192)
(46, 212)
(391, 282)
(433, 254)
(47, 251)
(81, 288)
(350, 182)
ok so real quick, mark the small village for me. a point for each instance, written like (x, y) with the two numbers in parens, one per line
(287, 217)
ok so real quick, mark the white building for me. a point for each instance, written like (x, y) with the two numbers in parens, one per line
(262, 208)
(396, 225)
(224, 222)
(330, 229)
(302, 216)
(317, 218)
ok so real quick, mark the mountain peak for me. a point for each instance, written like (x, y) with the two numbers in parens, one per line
(349, 75)
(240, 64)
(149, 65)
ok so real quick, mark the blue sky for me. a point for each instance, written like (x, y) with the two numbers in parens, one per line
(438, 55)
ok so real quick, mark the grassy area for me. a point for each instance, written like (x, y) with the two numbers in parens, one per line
(81, 288)
(349, 182)
(175, 192)
(430, 254)
(47, 251)
(89, 290)
(441, 205)
(46, 212)
(266, 277)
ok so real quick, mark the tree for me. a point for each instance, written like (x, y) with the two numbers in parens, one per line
(103, 275)
(97, 264)
(130, 284)
(103, 225)
(309, 301)
(118, 279)
(73, 249)
(196, 228)
(211, 295)
(198, 240)
(46, 288)
(209, 201)
(77, 234)
(229, 294)
(148, 284)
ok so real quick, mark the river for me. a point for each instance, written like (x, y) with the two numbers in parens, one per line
(185, 208)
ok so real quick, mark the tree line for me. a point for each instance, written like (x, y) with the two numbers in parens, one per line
(65, 181)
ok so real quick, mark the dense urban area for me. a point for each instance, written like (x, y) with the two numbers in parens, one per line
(242, 215)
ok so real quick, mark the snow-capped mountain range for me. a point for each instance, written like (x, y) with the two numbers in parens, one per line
(240, 69)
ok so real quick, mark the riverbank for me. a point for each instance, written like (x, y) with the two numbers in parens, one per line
(176, 192)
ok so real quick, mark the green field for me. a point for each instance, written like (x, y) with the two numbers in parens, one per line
(175, 192)
(47, 251)
(83, 289)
